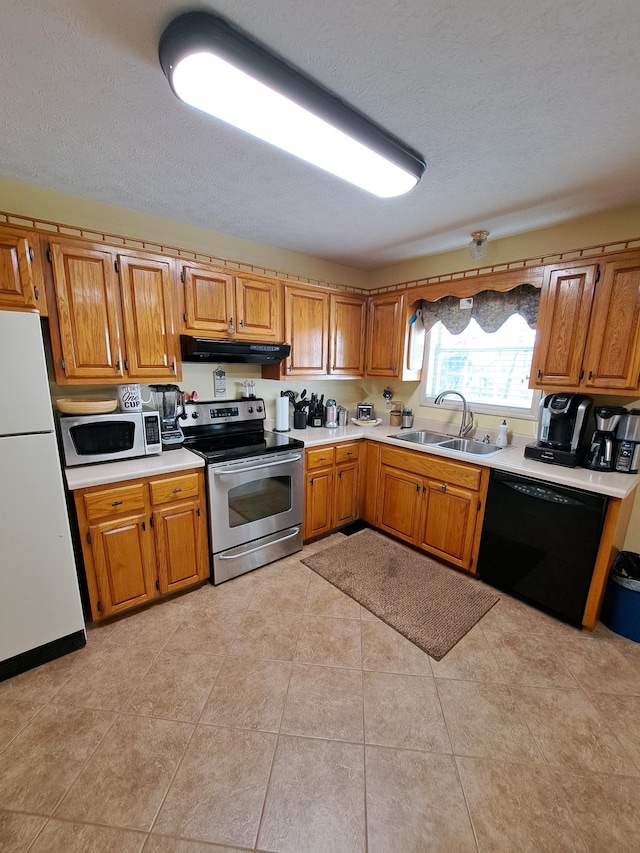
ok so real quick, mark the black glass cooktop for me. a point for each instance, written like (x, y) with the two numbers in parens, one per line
(221, 448)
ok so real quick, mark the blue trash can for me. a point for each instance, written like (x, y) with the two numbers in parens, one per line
(621, 608)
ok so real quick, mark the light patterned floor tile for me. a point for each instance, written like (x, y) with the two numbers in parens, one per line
(127, 777)
(517, 807)
(315, 800)
(218, 792)
(248, 694)
(415, 803)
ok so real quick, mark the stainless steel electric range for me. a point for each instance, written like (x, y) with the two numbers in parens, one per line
(254, 484)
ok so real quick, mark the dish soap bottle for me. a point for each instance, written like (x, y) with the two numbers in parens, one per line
(501, 438)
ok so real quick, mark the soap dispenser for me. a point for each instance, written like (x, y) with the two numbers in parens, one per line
(501, 438)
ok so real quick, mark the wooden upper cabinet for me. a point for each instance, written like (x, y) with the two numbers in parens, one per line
(563, 322)
(88, 315)
(347, 330)
(114, 315)
(258, 308)
(588, 335)
(19, 284)
(612, 360)
(385, 335)
(224, 304)
(209, 300)
(306, 329)
(148, 313)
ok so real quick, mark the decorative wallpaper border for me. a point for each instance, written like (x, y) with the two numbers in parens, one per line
(44, 225)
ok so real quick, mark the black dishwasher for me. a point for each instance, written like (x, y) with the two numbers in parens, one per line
(539, 542)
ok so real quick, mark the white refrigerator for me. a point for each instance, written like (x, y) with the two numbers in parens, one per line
(40, 608)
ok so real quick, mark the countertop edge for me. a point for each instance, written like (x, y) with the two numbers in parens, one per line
(511, 459)
(167, 462)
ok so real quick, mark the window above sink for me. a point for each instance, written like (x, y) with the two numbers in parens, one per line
(491, 369)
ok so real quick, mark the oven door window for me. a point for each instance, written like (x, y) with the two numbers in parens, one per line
(93, 439)
(258, 499)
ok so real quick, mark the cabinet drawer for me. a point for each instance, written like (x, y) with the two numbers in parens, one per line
(319, 457)
(347, 452)
(174, 488)
(118, 499)
(433, 467)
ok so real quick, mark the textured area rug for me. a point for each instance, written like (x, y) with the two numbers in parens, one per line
(428, 603)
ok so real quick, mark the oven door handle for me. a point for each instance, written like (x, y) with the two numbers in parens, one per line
(236, 469)
(294, 532)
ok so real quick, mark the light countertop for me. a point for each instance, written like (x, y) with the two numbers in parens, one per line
(509, 459)
(130, 469)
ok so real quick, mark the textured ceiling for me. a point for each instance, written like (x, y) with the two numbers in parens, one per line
(527, 113)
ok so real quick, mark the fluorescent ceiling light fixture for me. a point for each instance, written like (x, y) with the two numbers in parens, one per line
(217, 69)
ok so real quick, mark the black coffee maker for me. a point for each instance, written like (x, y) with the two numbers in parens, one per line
(601, 455)
(562, 419)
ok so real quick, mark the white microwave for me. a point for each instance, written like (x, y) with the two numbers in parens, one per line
(88, 439)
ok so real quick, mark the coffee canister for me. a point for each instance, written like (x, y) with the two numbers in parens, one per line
(129, 398)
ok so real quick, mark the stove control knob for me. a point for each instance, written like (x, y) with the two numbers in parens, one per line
(250, 410)
(259, 408)
(195, 415)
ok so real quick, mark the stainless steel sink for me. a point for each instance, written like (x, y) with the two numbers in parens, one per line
(447, 442)
(422, 437)
(470, 445)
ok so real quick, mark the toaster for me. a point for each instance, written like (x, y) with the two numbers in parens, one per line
(365, 411)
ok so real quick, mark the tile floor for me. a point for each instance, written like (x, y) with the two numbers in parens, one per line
(273, 713)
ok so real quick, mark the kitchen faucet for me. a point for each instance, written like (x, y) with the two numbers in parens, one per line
(464, 426)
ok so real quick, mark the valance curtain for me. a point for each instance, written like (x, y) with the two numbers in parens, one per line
(491, 308)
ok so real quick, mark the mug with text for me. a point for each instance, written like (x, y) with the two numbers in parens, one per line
(129, 398)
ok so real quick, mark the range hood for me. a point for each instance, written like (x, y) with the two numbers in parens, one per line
(232, 352)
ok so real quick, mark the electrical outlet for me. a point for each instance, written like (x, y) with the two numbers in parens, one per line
(466, 304)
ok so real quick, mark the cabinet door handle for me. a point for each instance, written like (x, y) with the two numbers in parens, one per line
(539, 374)
(590, 377)
(443, 487)
(417, 487)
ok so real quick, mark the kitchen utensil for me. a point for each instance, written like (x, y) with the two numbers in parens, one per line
(366, 423)
(169, 401)
(395, 415)
(331, 414)
(86, 405)
(129, 398)
(628, 443)
(299, 419)
(407, 418)
(601, 453)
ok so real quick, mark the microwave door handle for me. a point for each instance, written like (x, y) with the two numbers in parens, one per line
(294, 532)
(240, 470)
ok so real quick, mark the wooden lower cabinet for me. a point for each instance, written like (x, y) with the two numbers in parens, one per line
(142, 539)
(332, 487)
(433, 503)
